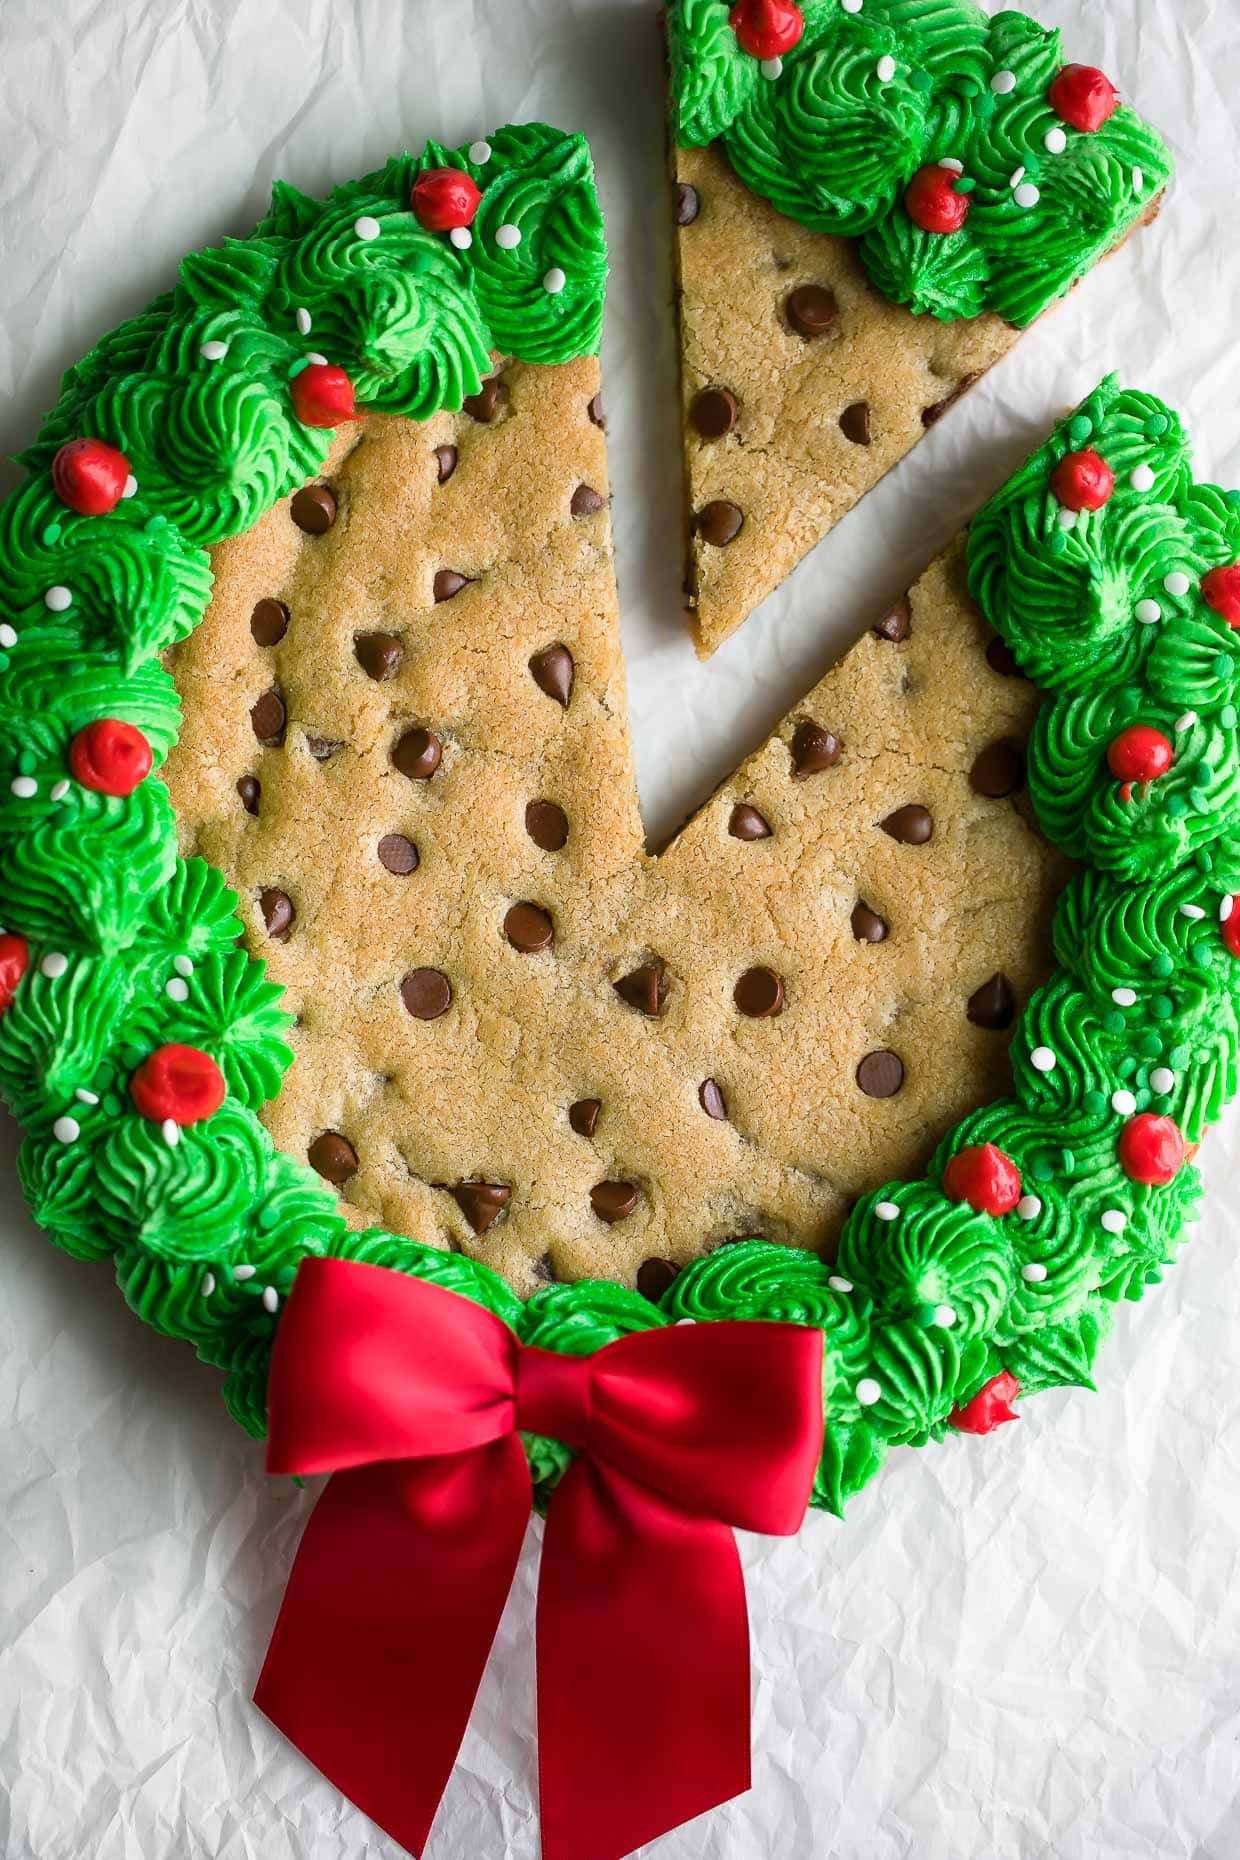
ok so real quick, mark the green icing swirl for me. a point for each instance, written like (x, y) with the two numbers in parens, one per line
(833, 144)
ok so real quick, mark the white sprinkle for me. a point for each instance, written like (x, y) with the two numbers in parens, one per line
(25, 787)
(1017, 178)
(554, 281)
(680, 1321)
(176, 989)
(1123, 1103)
(66, 1129)
(944, 1317)
(58, 599)
(479, 152)
(1033, 1272)
(1003, 83)
(319, 361)
(886, 1211)
(1193, 912)
(1149, 613)
(950, 162)
(1142, 478)
(305, 322)
(367, 227)
(1177, 583)
(208, 1284)
(54, 964)
(507, 236)
(271, 1298)
(243, 1272)
(1124, 997)
(1138, 181)
(59, 790)
(182, 965)
(86, 1097)
(1029, 1207)
(838, 1284)
(772, 68)
(868, 1392)
(1027, 195)
(1067, 518)
(1042, 1059)
(886, 68)
(1225, 909)
(131, 486)
(1162, 1079)
(1185, 722)
(460, 237)
(213, 351)
(1055, 141)
(1114, 1220)
(170, 1133)
(8, 636)
(851, 6)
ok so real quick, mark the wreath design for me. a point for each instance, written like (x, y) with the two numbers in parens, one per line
(137, 1042)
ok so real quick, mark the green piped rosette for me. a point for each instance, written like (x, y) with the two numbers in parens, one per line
(127, 948)
(833, 132)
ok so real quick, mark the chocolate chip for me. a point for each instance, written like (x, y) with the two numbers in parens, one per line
(594, 407)
(552, 671)
(993, 1005)
(1001, 659)
(418, 754)
(613, 1201)
(529, 928)
(759, 994)
(812, 310)
(269, 622)
(482, 1203)
(655, 1277)
(897, 624)
(250, 788)
(268, 717)
(426, 993)
(544, 1269)
(881, 1074)
(278, 912)
(999, 770)
(547, 824)
(720, 522)
(929, 415)
(378, 654)
(333, 1156)
(586, 500)
(855, 423)
(714, 412)
(445, 460)
(712, 1099)
(482, 405)
(746, 823)
(867, 925)
(814, 749)
(583, 1116)
(688, 205)
(912, 825)
(398, 855)
(314, 509)
(322, 747)
(645, 988)
(448, 582)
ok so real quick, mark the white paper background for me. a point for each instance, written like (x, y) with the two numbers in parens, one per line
(1018, 1647)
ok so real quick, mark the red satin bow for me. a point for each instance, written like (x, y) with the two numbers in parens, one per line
(412, 1397)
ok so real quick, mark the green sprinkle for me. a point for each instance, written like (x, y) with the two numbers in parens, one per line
(1227, 716)
(268, 1217)
(302, 362)
(1161, 965)
(1179, 1056)
(110, 1105)
(1069, 1162)
(1042, 1169)
(131, 1057)
(1113, 1022)
(1127, 1066)
(921, 80)
(965, 185)
(1200, 799)
(1162, 1007)
(1149, 1046)
(1080, 429)
(1222, 665)
(52, 534)
(4, 661)
(1057, 542)
(1095, 1102)
(26, 763)
(1156, 425)
(1177, 806)
(925, 1316)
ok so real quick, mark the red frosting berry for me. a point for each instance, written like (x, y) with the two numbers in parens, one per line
(443, 198)
(1084, 97)
(14, 961)
(1221, 589)
(323, 395)
(1140, 753)
(767, 28)
(933, 203)
(1151, 1149)
(178, 1082)
(110, 756)
(1231, 928)
(90, 476)
(984, 1177)
(1083, 481)
(990, 1407)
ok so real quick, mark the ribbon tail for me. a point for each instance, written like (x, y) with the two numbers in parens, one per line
(389, 1615)
(643, 1667)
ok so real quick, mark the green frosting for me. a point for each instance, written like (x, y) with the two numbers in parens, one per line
(867, 97)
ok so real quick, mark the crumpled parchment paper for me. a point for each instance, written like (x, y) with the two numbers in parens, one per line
(1020, 1647)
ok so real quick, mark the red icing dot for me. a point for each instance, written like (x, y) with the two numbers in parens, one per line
(990, 1407)
(443, 198)
(177, 1082)
(323, 395)
(932, 202)
(1151, 1149)
(110, 756)
(90, 476)
(1221, 590)
(1083, 481)
(1231, 928)
(984, 1177)
(1084, 97)
(14, 961)
(1140, 753)
(767, 28)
